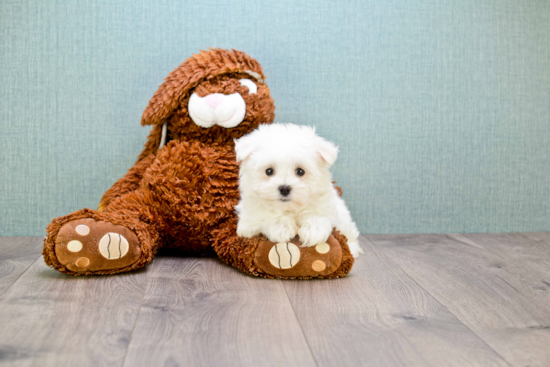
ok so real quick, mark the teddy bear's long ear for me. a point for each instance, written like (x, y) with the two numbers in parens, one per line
(167, 97)
(190, 73)
(327, 150)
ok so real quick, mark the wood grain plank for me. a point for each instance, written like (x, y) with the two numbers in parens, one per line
(51, 319)
(540, 240)
(200, 312)
(528, 251)
(490, 294)
(16, 255)
(378, 316)
(541, 237)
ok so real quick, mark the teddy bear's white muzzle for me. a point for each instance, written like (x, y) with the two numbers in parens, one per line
(217, 109)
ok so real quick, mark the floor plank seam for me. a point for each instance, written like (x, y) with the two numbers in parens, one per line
(496, 254)
(300, 324)
(438, 301)
(459, 238)
(137, 316)
(524, 235)
(533, 241)
(19, 277)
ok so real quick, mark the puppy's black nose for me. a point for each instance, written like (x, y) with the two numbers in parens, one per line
(285, 190)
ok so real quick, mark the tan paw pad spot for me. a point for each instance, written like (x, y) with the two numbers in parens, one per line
(113, 246)
(284, 255)
(82, 262)
(322, 248)
(82, 229)
(318, 265)
(74, 246)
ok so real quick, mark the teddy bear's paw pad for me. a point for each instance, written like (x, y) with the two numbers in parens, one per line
(284, 255)
(289, 259)
(87, 245)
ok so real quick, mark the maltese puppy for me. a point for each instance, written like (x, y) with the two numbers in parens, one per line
(286, 187)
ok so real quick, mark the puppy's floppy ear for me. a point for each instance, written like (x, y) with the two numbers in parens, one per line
(327, 150)
(244, 147)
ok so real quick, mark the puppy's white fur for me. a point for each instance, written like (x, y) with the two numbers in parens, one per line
(313, 206)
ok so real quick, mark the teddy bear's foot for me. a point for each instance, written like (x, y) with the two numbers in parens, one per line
(88, 245)
(291, 260)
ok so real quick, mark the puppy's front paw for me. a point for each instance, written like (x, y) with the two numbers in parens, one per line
(245, 230)
(282, 231)
(314, 231)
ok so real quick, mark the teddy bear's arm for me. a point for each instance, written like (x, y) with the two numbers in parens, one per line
(129, 182)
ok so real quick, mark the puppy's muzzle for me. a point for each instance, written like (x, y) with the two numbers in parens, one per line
(285, 190)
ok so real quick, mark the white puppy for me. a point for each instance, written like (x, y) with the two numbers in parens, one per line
(286, 187)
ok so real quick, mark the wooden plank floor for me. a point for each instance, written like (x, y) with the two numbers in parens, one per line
(411, 300)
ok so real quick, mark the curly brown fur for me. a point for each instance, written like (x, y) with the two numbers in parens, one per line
(126, 184)
(236, 251)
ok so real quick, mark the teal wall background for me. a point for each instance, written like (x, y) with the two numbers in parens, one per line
(441, 109)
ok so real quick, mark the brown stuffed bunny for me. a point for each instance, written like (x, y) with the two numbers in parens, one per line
(182, 190)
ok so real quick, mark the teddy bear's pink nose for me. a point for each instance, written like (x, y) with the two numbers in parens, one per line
(214, 100)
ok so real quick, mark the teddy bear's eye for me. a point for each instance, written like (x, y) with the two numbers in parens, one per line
(300, 172)
(269, 171)
(252, 87)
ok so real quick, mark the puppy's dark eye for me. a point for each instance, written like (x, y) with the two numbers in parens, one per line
(300, 172)
(269, 171)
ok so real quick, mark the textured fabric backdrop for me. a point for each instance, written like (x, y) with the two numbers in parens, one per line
(441, 109)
